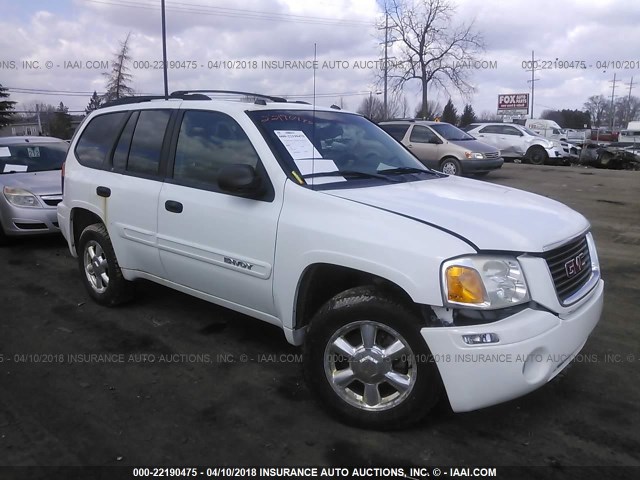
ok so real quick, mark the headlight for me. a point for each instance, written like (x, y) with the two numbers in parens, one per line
(473, 155)
(482, 281)
(21, 197)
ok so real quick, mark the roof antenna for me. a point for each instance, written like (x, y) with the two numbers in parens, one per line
(313, 127)
(164, 52)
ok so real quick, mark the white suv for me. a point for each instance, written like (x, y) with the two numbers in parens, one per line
(515, 141)
(401, 282)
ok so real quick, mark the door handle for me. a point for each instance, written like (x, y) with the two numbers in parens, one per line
(103, 192)
(173, 206)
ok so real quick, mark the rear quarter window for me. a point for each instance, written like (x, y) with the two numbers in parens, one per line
(98, 138)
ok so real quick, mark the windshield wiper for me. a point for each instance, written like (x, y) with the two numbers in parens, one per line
(349, 173)
(403, 170)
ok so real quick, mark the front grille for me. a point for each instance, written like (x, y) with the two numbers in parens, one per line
(492, 155)
(51, 200)
(570, 267)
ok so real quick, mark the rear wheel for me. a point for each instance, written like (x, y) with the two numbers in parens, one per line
(450, 166)
(537, 155)
(99, 267)
(365, 359)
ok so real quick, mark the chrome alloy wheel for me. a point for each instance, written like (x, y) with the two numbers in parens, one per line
(96, 267)
(370, 365)
(449, 168)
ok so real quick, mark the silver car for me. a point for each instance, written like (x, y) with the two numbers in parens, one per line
(30, 185)
(444, 147)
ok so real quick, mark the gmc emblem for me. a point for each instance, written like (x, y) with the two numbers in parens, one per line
(574, 266)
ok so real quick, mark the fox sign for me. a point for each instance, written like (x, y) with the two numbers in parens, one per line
(513, 103)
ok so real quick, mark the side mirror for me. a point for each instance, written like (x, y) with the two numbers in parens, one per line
(241, 180)
(435, 141)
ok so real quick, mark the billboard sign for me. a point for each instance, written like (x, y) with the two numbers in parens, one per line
(513, 104)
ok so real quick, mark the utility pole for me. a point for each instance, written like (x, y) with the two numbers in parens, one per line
(629, 101)
(613, 90)
(386, 59)
(164, 51)
(533, 79)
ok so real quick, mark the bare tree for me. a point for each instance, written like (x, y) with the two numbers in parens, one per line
(119, 78)
(372, 108)
(598, 107)
(397, 106)
(489, 116)
(433, 111)
(432, 49)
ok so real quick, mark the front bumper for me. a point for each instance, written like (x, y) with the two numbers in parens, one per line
(534, 346)
(485, 165)
(21, 221)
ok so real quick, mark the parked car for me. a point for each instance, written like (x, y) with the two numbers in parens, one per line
(30, 183)
(444, 147)
(517, 142)
(604, 135)
(393, 276)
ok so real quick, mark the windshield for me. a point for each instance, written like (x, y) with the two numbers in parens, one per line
(336, 147)
(449, 132)
(32, 157)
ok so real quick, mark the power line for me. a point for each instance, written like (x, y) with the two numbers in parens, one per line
(235, 13)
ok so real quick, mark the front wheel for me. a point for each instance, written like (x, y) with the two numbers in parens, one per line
(99, 267)
(537, 156)
(365, 359)
(450, 166)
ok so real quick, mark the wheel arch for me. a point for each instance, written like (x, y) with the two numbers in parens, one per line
(81, 218)
(319, 282)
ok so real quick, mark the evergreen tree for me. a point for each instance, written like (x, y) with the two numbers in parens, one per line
(94, 103)
(60, 125)
(449, 113)
(468, 116)
(119, 78)
(5, 107)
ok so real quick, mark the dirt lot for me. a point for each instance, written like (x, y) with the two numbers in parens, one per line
(230, 389)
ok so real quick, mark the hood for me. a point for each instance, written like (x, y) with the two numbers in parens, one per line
(38, 183)
(490, 217)
(474, 146)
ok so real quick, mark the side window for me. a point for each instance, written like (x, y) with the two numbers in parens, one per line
(207, 142)
(396, 131)
(124, 144)
(98, 138)
(146, 145)
(421, 134)
(489, 129)
(506, 130)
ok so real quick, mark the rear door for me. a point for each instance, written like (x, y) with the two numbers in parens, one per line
(211, 241)
(132, 145)
(424, 144)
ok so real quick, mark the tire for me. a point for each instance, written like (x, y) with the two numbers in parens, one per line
(358, 379)
(99, 267)
(450, 166)
(4, 240)
(537, 155)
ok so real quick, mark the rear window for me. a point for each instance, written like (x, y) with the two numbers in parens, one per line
(96, 141)
(32, 157)
(396, 131)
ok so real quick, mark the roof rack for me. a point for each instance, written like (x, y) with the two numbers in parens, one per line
(232, 92)
(148, 98)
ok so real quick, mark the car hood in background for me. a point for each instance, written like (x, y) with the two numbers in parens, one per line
(39, 183)
(491, 217)
(474, 146)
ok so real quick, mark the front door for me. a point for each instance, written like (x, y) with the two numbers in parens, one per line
(211, 241)
(424, 144)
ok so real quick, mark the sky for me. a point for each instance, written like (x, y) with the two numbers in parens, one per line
(58, 48)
